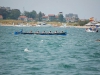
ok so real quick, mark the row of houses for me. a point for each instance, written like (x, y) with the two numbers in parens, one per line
(50, 17)
(68, 17)
(24, 18)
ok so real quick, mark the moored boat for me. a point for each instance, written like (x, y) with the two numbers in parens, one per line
(63, 26)
(42, 24)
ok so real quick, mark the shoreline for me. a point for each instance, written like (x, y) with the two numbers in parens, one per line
(69, 26)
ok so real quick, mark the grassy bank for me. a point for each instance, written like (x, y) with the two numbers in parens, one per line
(16, 22)
(59, 24)
(10, 22)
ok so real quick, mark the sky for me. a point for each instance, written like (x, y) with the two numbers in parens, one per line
(83, 8)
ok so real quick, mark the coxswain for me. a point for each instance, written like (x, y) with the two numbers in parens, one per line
(97, 30)
(37, 32)
(30, 31)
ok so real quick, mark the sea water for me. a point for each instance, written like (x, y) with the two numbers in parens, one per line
(77, 53)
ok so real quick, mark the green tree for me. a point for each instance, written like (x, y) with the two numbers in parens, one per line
(26, 13)
(4, 13)
(40, 16)
(82, 23)
(60, 18)
(33, 14)
(14, 14)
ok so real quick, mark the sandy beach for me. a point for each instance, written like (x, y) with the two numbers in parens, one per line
(52, 25)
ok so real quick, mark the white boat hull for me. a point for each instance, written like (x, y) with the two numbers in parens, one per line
(88, 30)
(43, 26)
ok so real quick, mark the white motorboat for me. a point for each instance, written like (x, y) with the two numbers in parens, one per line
(91, 30)
(63, 25)
(43, 25)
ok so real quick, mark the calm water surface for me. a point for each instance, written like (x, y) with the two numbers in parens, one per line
(78, 53)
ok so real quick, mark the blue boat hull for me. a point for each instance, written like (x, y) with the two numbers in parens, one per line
(63, 33)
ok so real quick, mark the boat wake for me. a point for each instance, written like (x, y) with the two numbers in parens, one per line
(41, 41)
(27, 50)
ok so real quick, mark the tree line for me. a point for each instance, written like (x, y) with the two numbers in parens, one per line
(15, 13)
(10, 14)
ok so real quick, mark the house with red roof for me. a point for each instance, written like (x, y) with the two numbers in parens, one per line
(23, 18)
(1, 17)
(56, 17)
(51, 17)
(45, 18)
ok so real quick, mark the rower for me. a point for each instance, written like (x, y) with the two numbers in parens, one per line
(44, 32)
(50, 32)
(37, 32)
(62, 31)
(30, 31)
(97, 30)
(56, 32)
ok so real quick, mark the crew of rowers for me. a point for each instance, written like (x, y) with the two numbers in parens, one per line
(45, 32)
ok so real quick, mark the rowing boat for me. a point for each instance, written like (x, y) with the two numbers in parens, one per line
(38, 33)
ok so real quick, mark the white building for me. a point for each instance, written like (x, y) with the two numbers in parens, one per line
(71, 17)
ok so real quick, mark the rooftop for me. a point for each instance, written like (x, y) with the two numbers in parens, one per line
(51, 15)
(22, 17)
(45, 17)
